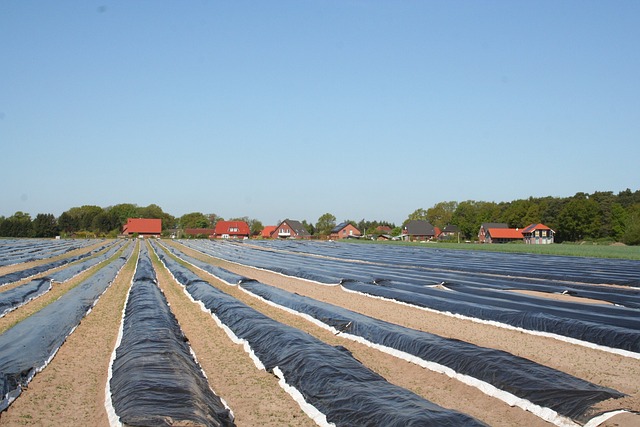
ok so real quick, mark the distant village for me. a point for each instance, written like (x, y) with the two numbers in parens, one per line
(413, 230)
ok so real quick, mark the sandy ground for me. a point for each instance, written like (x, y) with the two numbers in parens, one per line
(70, 391)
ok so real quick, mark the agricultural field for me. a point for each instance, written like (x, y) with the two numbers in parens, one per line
(291, 333)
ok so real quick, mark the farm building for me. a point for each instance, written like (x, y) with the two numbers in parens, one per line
(344, 231)
(209, 232)
(266, 231)
(420, 230)
(142, 227)
(538, 234)
(450, 232)
(484, 229)
(290, 229)
(232, 230)
(502, 235)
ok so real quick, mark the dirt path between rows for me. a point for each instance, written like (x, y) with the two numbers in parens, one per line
(70, 391)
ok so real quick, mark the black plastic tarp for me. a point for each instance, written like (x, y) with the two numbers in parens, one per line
(549, 388)
(156, 381)
(27, 348)
(222, 274)
(20, 295)
(32, 271)
(615, 327)
(601, 334)
(329, 378)
(20, 251)
(14, 298)
(553, 267)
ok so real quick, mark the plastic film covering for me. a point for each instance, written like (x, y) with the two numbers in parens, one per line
(27, 348)
(294, 266)
(222, 274)
(546, 387)
(156, 381)
(615, 337)
(20, 251)
(612, 327)
(16, 297)
(327, 377)
(23, 274)
(552, 267)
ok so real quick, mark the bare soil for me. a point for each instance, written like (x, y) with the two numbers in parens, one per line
(71, 390)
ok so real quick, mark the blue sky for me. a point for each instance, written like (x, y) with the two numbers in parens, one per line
(290, 109)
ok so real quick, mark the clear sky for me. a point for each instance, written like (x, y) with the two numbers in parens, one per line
(290, 109)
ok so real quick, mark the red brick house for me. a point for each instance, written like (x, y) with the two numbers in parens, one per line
(344, 231)
(538, 234)
(142, 227)
(484, 229)
(420, 230)
(503, 235)
(232, 230)
(290, 229)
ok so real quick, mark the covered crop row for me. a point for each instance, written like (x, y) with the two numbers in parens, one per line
(330, 385)
(616, 328)
(20, 251)
(566, 268)
(155, 379)
(29, 272)
(20, 295)
(27, 347)
(515, 380)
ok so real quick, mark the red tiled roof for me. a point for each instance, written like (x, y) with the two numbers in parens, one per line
(266, 231)
(531, 228)
(143, 226)
(505, 233)
(224, 227)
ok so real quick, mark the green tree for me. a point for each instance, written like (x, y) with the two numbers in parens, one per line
(194, 220)
(68, 223)
(631, 234)
(45, 225)
(123, 211)
(325, 224)
(441, 214)
(255, 226)
(418, 214)
(104, 222)
(579, 219)
(17, 225)
(308, 226)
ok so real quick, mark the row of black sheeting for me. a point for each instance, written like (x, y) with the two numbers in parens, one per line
(623, 338)
(32, 271)
(521, 381)
(360, 267)
(27, 347)
(552, 267)
(155, 380)
(610, 327)
(20, 295)
(219, 273)
(17, 251)
(337, 386)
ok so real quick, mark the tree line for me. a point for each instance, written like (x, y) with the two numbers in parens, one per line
(597, 216)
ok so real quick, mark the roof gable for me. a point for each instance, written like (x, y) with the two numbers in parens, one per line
(295, 226)
(143, 226)
(532, 227)
(505, 233)
(232, 227)
(419, 227)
